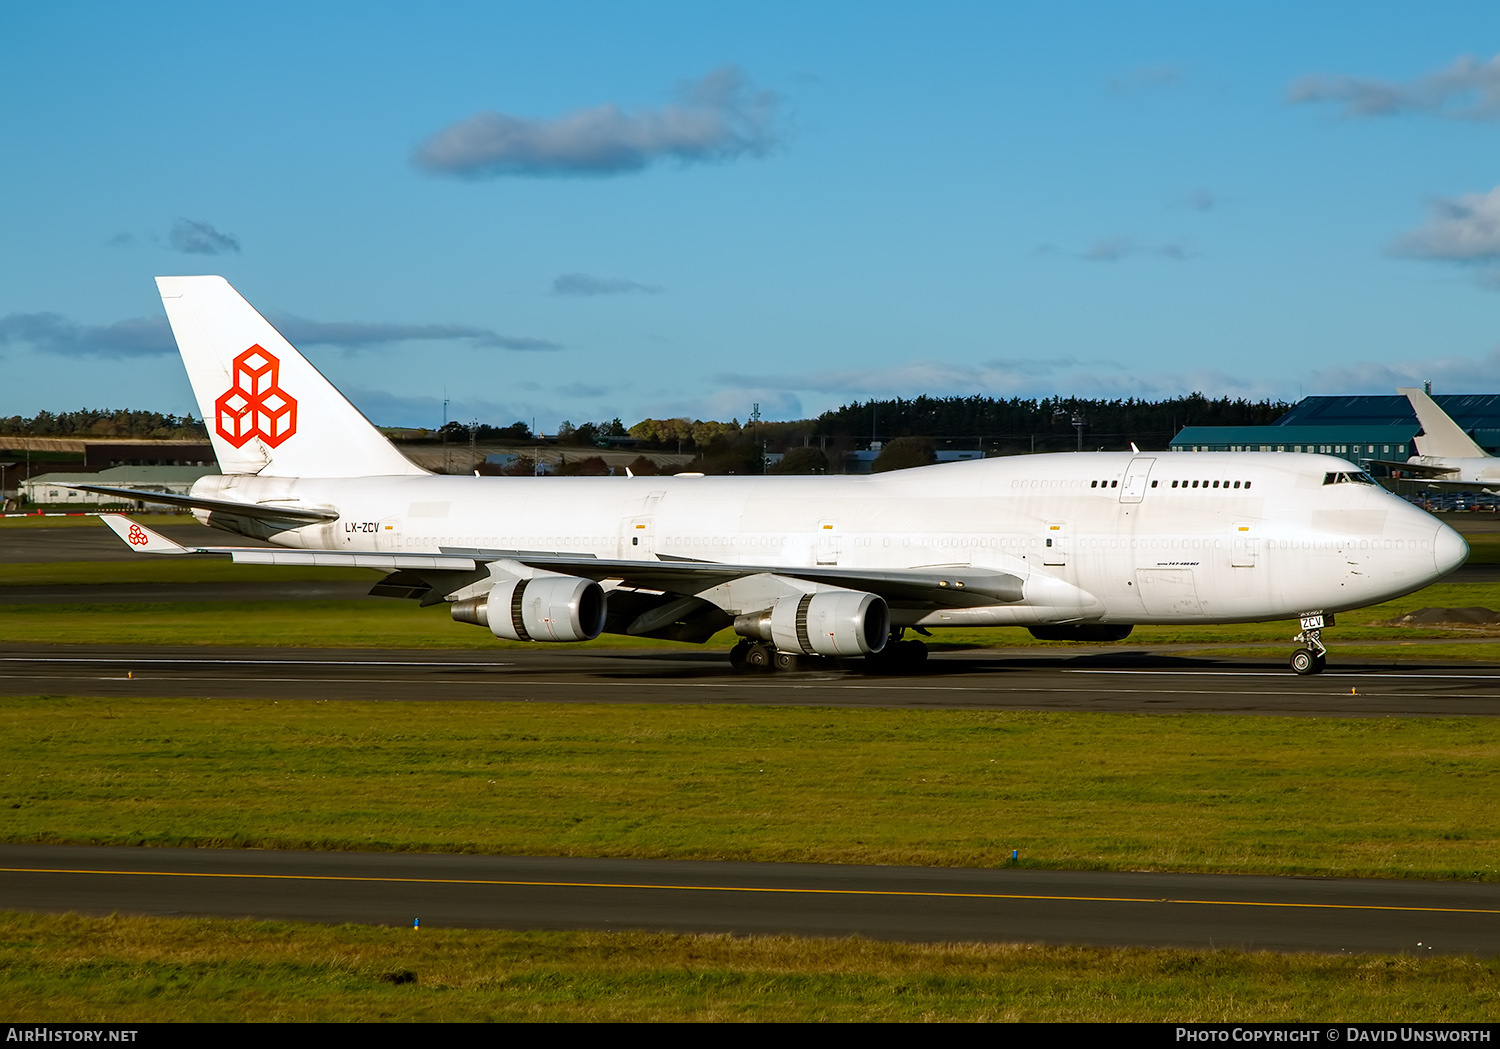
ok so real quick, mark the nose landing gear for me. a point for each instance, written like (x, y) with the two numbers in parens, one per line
(1314, 657)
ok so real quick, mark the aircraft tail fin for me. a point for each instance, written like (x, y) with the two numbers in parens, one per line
(1441, 436)
(268, 410)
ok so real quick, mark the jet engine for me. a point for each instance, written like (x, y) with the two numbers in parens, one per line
(544, 608)
(827, 623)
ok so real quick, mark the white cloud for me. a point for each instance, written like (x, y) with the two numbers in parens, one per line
(1465, 229)
(1111, 249)
(1200, 200)
(199, 238)
(356, 335)
(1114, 249)
(718, 118)
(53, 333)
(1147, 78)
(1452, 374)
(583, 284)
(1469, 89)
(389, 409)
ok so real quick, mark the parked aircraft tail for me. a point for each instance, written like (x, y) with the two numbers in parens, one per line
(1441, 436)
(268, 410)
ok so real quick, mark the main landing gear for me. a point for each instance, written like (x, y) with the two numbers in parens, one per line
(1314, 657)
(762, 657)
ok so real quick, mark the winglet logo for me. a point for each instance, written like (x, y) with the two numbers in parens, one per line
(138, 537)
(256, 405)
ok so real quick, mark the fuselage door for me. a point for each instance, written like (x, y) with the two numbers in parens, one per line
(1055, 543)
(637, 541)
(1136, 474)
(827, 542)
(638, 534)
(388, 535)
(1244, 547)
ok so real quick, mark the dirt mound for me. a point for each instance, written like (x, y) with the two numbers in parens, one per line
(1448, 616)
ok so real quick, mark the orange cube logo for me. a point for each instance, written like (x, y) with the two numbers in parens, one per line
(256, 405)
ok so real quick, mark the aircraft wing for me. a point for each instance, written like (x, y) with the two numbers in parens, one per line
(260, 511)
(1413, 468)
(951, 587)
(954, 587)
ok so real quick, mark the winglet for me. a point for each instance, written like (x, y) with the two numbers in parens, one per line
(141, 538)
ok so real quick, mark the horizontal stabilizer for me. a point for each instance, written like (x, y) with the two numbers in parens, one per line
(142, 538)
(1417, 469)
(259, 511)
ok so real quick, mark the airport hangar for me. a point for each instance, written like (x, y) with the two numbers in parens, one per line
(1354, 427)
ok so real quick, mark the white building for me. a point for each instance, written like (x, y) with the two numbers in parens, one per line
(50, 489)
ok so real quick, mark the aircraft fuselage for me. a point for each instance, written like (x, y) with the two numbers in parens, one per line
(1096, 537)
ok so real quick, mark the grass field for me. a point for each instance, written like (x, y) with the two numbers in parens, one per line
(1387, 797)
(142, 970)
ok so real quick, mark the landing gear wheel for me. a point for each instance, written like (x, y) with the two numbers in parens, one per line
(786, 661)
(1313, 657)
(915, 654)
(759, 657)
(738, 656)
(1306, 661)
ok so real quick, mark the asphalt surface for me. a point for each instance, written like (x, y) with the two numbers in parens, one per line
(1114, 680)
(93, 541)
(888, 903)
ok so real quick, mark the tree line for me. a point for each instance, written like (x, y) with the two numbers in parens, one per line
(106, 422)
(919, 427)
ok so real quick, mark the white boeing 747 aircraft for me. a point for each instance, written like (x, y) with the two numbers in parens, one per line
(1072, 546)
(1446, 455)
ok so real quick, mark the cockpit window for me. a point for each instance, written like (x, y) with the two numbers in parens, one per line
(1351, 477)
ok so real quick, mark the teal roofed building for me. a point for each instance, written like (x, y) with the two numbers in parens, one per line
(1356, 428)
(1364, 442)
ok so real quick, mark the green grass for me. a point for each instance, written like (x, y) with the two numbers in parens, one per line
(150, 569)
(74, 520)
(388, 623)
(1383, 797)
(1484, 547)
(72, 969)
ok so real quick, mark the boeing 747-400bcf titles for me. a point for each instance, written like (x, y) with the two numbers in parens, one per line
(1072, 546)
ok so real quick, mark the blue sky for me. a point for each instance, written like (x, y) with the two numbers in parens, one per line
(586, 211)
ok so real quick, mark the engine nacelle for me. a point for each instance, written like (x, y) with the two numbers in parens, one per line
(1082, 632)
(827, 623)
(545, 608)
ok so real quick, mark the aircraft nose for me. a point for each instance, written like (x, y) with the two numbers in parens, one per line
(1448, 550)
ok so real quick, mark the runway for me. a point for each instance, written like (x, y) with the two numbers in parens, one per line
(888, 903)
(1102, 680)
(94, 542)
